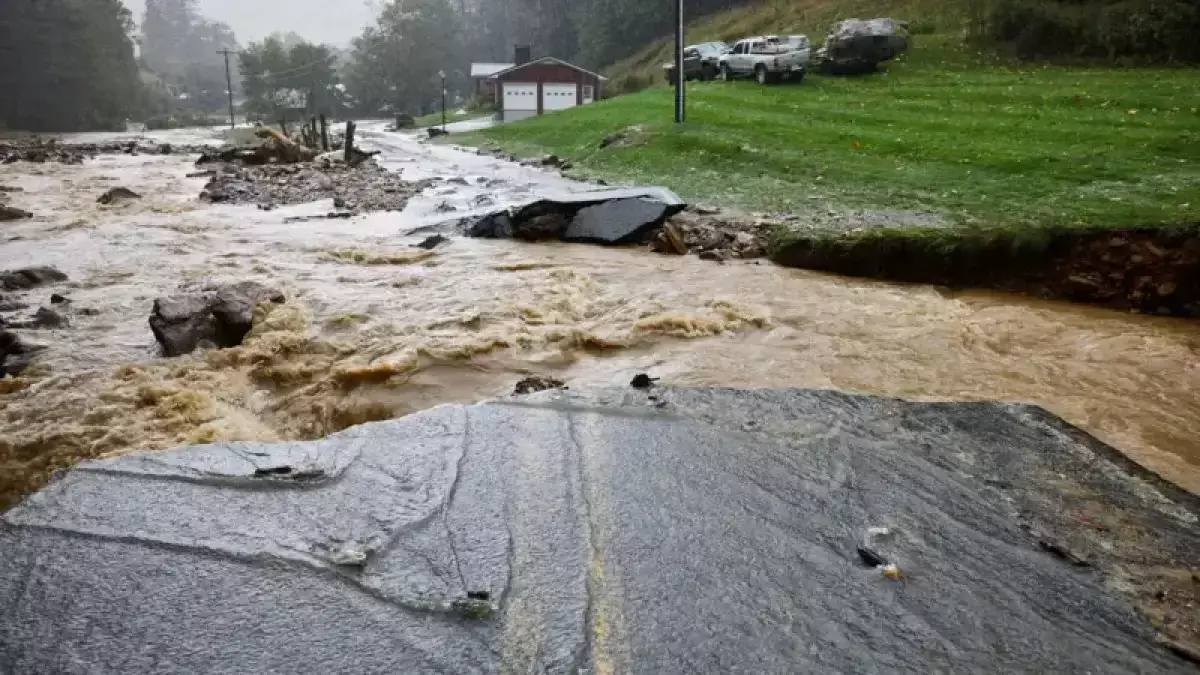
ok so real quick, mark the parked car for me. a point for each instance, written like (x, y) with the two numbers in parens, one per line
(767, 59)
(700, 62)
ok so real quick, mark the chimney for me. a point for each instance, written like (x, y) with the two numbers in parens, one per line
(522, 54)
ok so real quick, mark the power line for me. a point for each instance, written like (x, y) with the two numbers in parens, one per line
(228, 84)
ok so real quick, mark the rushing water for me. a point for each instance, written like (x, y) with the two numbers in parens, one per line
(365, 341)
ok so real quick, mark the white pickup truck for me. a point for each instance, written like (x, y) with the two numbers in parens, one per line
(767, 58)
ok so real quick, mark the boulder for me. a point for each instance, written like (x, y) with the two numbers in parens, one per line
(15, 354)
(759, 531)
(182, 323)
(117, 194)
(222, 318)
(8, 213)
(233, 309)
(29, 277)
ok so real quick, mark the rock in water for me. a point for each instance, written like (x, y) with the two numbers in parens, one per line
(222, 319)
(48, 318)
(182, 323)
(427, 543)
(15, 354)
(233, 309)
(536, 383)
(432, 241)
(29, 277)
(117, 194)
(8, 213)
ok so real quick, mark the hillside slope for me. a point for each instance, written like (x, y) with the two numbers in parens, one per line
(784, 17)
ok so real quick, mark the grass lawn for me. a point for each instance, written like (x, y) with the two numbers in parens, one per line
(946, 129)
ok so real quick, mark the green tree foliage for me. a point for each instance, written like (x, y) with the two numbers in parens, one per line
(181, 48)
(1113, 30)
(67, 65)
(394, 65)
(284, 77)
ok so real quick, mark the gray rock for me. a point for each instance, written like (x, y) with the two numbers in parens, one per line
(233, 309)
(29, 277)
(620, 221)
(9, 213)
(15, 357)
(117, 194)
(567, 533)
(182, 323)
(48, 318)
(496, 225)
(432, 241)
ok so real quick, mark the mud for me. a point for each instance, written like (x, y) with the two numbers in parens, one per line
(376, 328)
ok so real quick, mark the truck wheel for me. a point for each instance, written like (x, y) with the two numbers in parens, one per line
(761, 74)
(725, 74)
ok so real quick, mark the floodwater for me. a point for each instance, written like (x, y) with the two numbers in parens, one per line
(390, 330)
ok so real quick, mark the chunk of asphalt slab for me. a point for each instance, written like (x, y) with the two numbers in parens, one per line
(504, 536)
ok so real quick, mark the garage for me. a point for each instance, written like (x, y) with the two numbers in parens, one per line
(558, 96)
(520, 99)
(544, 85)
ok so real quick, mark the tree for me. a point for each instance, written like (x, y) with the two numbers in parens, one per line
(279, 78)
(182, 48)
(68, 65)
(394, 65)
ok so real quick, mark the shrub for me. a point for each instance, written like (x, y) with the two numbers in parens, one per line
(1142, 30)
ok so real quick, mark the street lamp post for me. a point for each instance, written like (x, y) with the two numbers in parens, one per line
(680, 79)
(442, 75)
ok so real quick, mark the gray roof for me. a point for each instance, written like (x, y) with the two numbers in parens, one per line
(480, 70)
(667, 531)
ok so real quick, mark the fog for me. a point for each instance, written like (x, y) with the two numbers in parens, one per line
(332, 21)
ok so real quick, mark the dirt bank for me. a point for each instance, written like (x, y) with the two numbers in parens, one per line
(1149, 270)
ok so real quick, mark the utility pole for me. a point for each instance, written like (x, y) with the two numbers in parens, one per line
(680, 79)
(228, 84)
(442, 75)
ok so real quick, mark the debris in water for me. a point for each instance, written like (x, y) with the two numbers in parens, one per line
(473, 609)
(15, 354)
(117, 194)
(56, 299)
(643, 381)
(8, 213)
(29, 277)
(432, 241)
(892, 572)
(536, 383)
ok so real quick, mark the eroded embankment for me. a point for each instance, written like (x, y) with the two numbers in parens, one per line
(1150, 270)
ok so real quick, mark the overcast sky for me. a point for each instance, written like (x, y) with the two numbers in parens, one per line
(333, 21)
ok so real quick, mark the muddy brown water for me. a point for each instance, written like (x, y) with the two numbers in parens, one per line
(378, 329)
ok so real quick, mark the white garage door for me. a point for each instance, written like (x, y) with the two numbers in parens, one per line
(520, 100)
(558, 96)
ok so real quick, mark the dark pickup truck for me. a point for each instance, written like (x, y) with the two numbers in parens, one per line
(700, 62)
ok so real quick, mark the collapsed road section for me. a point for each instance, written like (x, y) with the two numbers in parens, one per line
(651, 530)
(603, 216)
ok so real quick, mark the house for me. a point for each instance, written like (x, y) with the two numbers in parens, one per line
(485, 89)
(532, 87)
